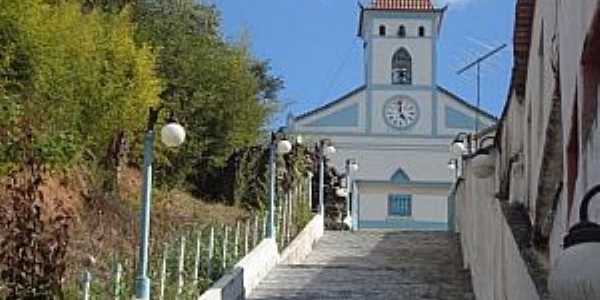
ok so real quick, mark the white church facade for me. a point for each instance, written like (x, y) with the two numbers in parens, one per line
(399, 124)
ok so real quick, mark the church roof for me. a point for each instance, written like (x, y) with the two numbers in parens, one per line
(363, 87)
(330, 104)
(403, 5)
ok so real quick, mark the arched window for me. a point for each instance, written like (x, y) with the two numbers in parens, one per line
(382, 30)
(401, 67)
(421, 31)
(401, 31)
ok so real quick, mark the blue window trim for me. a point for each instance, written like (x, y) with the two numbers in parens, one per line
(400, 205)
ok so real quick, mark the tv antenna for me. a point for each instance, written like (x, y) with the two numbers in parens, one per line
(477, 63)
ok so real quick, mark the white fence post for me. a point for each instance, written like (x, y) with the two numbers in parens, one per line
(309, 190)
(225, 239)
(246, 236)
(283, 222)
(197, 257)
(236, 239)
(86, 283)
(264, 235)
(181, 265)
(255, 234)
(117, 273)
(291, 217)
(163, 272)
(211, 250)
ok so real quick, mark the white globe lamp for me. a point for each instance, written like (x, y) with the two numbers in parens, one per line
(452, 164)
(341, 192)
(172, 135)
(574, 275)
(458, 148)
(284, 147)
(329, 150)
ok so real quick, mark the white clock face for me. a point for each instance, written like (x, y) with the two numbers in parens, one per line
(401, 112)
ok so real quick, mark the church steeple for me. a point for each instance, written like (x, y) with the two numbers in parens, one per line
(400, 40)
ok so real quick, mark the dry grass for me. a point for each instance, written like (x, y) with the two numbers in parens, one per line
(106, 225)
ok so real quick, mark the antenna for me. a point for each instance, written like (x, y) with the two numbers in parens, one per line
(477, 63)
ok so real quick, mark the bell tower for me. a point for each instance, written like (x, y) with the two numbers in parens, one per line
(400, 42)
(400, 38)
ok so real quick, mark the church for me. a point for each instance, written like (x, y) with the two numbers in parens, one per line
(398, 126)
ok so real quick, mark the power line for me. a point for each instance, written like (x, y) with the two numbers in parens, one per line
(338, 70)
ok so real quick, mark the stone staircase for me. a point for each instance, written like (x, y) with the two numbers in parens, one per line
(374, 265)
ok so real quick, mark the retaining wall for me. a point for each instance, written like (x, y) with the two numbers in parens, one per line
(247, 274)
(493, 246)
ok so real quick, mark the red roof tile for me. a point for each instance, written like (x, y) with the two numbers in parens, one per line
(403, 4)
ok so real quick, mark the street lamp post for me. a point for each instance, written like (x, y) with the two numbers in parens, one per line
(277, 146)
(172, 135)
(351, 166)
(325, 148)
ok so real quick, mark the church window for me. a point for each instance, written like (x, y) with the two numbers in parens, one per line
(399, 205)
(401, 67)
(382, 30)
(421, 31)
(402, 31)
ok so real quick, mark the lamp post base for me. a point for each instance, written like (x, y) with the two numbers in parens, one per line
(142, 288)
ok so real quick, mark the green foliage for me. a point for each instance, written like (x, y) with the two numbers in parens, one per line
(245, 179)
(214, 88)
(71, 80)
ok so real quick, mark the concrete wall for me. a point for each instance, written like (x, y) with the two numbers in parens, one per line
(549, 137)
(302, 245)
(247, 273)
(498, 270)
(374, 206)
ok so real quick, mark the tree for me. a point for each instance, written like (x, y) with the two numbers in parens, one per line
(74, 79)
(214, 88)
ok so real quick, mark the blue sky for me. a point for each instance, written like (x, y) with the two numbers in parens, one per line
(312, 45)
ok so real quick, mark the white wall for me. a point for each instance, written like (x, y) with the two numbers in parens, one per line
(498, 270)
(420, 164)
(444, 100)
(429, 205)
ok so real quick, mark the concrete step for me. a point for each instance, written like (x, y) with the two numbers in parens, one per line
(374, 265)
